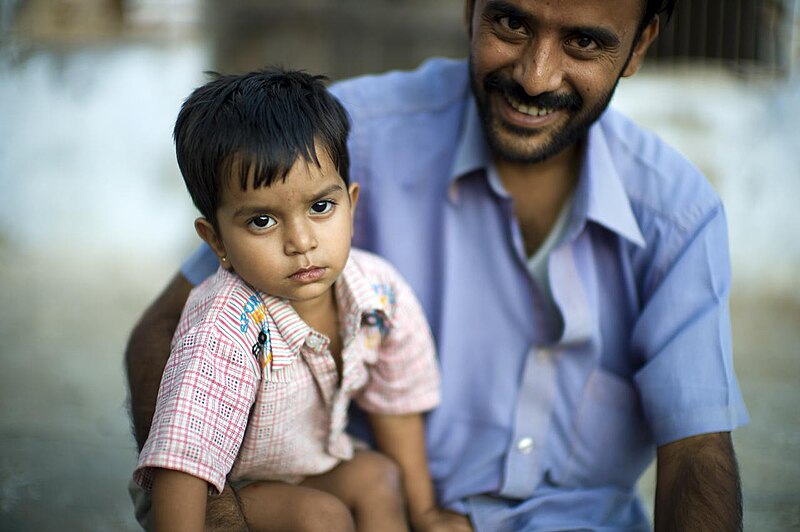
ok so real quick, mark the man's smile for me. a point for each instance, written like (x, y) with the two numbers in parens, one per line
(531, 110)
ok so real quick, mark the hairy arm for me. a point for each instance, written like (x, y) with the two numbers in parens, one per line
(697, 486)
(402, 438)
(148, 351)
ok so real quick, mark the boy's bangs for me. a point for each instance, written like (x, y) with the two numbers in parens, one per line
(259, 169)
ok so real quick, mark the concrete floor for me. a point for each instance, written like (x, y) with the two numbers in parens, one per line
(65, 449)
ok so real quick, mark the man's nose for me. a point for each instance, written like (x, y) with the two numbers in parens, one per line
(299, 238)
(539, 70)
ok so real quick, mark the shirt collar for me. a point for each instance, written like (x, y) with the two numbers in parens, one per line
(472, 151)
(355, 297)
(288, 324)
(600, 195)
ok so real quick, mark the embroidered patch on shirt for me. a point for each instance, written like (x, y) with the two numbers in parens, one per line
(375, 329)
(245, 314)
(385, 294)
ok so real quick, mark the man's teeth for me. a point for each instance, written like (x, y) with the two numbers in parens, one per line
(530, 110)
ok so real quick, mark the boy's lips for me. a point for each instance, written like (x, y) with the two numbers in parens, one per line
(308, 275)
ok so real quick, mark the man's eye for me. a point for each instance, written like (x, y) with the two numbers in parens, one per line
(583, 42)
(322, 207)
(262, 222)
(510, 23)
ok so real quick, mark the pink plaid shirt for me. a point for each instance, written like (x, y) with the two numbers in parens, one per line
(279, 414)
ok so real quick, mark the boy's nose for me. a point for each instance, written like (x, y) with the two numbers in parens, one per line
(300, 239)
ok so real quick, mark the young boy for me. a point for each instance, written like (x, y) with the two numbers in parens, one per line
(270, 350)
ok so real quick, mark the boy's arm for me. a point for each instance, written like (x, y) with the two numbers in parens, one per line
(179, 501)
(402, 438)
(148, 350)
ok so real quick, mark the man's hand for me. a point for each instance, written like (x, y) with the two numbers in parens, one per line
(698, 485)
(148, 351)
(438, 520)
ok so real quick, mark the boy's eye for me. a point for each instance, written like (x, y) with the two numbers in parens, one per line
(262, 222)
(322, 207)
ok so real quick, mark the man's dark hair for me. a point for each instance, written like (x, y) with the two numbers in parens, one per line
(652, 8)
(657, 7)
(255, 127)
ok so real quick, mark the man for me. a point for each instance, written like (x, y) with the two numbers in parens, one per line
(574, 270)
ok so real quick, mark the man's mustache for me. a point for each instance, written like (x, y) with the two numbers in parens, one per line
(547, 100)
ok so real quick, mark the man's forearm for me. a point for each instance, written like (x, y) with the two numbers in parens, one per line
(147, 353)
(698, 485)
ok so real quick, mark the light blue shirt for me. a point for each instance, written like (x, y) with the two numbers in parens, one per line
(547, 421)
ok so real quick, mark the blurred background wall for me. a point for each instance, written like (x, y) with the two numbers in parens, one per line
(94, 218)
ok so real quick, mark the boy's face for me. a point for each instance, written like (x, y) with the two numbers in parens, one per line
(290, 239)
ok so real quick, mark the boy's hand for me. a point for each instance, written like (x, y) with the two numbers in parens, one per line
(438, 520)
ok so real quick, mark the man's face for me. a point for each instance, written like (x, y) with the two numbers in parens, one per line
(543, 71)
(290, 239)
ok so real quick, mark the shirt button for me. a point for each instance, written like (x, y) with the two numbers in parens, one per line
(314, 342)
(525, 445)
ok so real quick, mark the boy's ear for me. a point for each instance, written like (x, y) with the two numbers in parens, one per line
(353, 191)
(206, 231)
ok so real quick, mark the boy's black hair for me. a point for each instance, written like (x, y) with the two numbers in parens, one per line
(255, 126)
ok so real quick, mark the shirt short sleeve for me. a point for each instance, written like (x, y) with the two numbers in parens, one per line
(204, 401)
(405, 378)
(687, 383)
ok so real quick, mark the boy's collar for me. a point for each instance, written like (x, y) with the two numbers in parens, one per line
(356, 298)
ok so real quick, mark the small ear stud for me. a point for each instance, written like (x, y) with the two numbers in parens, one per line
(223, 259)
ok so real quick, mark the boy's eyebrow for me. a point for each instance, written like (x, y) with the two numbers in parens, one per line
(256, 209)
(328, 190)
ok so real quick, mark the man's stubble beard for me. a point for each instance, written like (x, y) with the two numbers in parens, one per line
(574, 130)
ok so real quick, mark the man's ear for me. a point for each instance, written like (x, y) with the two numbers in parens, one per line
(469, 7)
(649, 34)
(207, 232)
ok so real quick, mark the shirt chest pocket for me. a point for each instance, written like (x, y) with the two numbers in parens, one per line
(281, 397)
(611, 443)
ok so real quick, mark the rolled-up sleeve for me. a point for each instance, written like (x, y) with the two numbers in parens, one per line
(687, 383)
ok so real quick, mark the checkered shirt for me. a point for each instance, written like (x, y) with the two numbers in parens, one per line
(234, 406)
